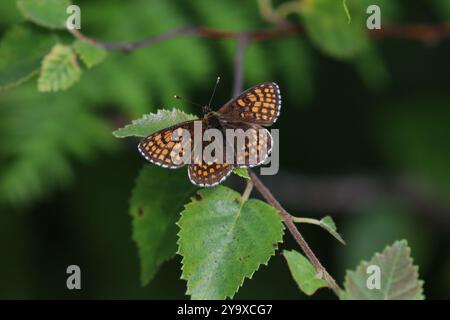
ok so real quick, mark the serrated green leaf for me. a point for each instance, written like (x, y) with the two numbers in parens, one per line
(328, 224)
(242, 172)
(60, 69)
(399, 277)
(223, 240)
(327, 25)
(89, 53)
(156, 201)
(46, 13)
(153, 122)
(303, 272)
(21, 51)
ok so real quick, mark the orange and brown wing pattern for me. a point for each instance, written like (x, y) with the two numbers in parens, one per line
(260, 104)
(209, 175)
(256, 149)
(253, 148)
(161, 149)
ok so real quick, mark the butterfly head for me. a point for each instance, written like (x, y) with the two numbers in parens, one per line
(206, 109)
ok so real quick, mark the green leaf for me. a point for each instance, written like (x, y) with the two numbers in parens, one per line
(399, 277)
(303, 272)
(397, 221)
(46, 13)
(327, 25)
(153, 122)
(9, 14)
(241, 172)
(328, 224)
(60, 69)
(21, 51)
(156, 201)
(223, 240)
(89, 53)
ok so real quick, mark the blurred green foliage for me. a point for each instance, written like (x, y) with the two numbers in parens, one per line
(65, 180)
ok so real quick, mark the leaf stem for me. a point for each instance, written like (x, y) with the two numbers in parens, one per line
(278, 15)
(306, 220)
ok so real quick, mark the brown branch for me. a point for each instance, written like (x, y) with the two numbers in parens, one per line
(287, 218)
(423, 33)
(133, 45)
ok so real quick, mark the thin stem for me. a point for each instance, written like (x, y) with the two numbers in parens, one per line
(287, 8)
(133, 45)
(289, 222)
(248, 190)
(306, 220)
(267, 11)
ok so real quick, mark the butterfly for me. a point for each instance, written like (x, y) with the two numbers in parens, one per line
(251, 111)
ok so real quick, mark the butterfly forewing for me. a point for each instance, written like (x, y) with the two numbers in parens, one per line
(260, 104)
(161, 147)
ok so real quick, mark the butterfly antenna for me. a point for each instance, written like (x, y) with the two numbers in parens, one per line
(213, 93)
(189, 101)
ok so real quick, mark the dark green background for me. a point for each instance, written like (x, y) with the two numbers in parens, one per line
(337, 120)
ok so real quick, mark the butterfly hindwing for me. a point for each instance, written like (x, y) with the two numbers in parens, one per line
(255, 147)
(209, 175)
(260, 104)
